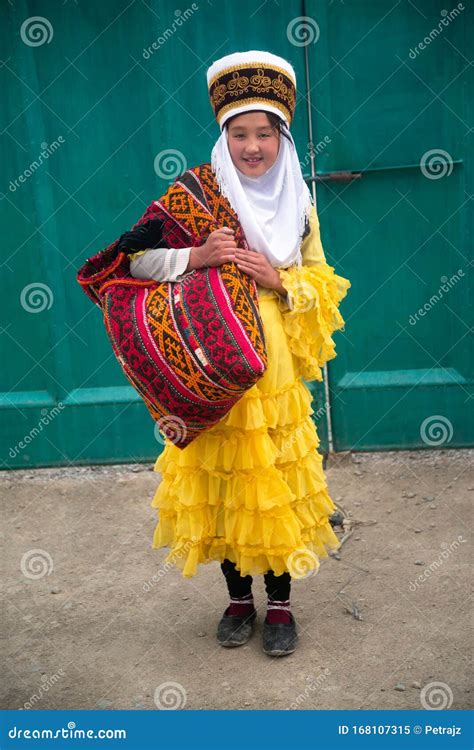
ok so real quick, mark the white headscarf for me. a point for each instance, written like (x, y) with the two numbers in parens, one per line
(272, 208)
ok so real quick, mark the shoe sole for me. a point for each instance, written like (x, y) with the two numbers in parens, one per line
(229, 643)
(279, 653)
(232, 644)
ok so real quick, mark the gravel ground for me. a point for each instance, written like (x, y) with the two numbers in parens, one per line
(384, 626)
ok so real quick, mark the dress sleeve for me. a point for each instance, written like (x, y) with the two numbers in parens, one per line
(160, 264)
(310, 311)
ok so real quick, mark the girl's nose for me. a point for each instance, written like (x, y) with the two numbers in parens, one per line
(253, 148)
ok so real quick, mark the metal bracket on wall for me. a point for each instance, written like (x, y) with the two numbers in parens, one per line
(336, 177)
(351, 175)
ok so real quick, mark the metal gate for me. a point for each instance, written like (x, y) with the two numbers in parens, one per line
(104, 104)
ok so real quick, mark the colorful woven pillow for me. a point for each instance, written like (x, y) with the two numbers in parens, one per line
(191, 348)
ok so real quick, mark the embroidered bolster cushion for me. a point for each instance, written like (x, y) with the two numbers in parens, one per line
(191, 348)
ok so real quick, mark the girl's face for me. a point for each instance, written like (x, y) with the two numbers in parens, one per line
(253, 143)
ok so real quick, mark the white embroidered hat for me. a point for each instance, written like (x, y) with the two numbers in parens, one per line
(245, 81)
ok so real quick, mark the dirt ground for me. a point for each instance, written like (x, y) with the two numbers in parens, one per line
(384, 626)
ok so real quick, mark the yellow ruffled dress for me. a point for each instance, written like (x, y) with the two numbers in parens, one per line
(252, 488)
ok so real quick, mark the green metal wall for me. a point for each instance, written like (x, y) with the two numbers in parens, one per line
(393, 89)
(106, 105)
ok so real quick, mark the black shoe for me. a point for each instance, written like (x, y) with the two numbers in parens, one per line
(280, 639)
(235, 631)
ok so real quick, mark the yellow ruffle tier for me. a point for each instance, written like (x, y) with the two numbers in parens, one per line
(315, 292)
(252, 488)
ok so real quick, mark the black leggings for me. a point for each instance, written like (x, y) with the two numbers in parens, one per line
(277, 587)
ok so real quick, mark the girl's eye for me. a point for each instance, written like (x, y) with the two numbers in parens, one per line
(262, 135)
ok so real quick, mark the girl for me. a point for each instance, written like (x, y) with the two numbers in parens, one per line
(250, 492)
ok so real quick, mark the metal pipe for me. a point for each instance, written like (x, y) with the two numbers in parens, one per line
(313, 179)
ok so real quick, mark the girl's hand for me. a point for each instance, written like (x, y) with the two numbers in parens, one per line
(259, 268)
(219, 248)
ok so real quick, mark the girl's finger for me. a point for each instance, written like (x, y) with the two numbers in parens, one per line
(249, 263)
(246, 256)
(253, 257)
(246, 269)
